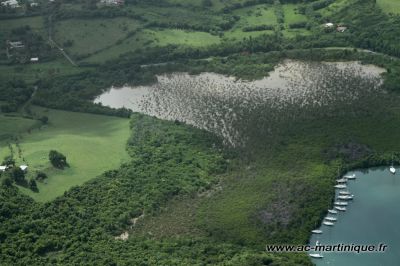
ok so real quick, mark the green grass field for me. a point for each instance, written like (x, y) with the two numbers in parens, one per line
(335, 7)
(127, 45)
(89, 36)
(155, 37)
(31, 72)
(389, 6)
(292, 15)
(182, 37)
(36, 23)
(11, 126)
(256, 15)
(92, 143)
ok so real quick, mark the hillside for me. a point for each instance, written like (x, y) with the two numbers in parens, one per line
(237, 171)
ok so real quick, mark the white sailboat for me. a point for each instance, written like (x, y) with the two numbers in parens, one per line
(392, 169)
(353, 176)
(331, 219)
(340, 208)
(328, 223)
(342, 180)
(341, 203)
(332, 211)
(345, 197)
(316, 231)
(316, 255)
(344, 192)
(340, 186)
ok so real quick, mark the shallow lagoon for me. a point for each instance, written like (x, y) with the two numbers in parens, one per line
(244, 111)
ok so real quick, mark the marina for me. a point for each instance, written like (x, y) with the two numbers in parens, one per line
(360, 221)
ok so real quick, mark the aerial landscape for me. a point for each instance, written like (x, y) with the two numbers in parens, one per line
(200, 132)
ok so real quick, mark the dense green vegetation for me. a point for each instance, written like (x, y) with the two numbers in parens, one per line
(80, 226)
(181, 196)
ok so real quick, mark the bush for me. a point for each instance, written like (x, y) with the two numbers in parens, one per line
(8, 160)
(32, 185)
(58, 159)
(40, 176)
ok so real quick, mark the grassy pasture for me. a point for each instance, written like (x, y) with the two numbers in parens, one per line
(31, 72)
(155, 37)
(36, 24)
(128, 45)
(238, 34)
(178, 16)
(335, 7)
(389, 6)
(291, 14)
(92, 143)
(11, 126)
(182, 37)
(89, 36)
(256, 15)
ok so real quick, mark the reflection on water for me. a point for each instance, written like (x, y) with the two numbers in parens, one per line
(227, 106)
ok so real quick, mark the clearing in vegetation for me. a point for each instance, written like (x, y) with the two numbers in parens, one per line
(83, 37)
(389, 6)
(92, 144)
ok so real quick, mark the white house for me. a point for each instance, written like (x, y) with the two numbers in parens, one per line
(10, 3)
(329, 25)
(3, 168)
(34, 59)
(23, 167)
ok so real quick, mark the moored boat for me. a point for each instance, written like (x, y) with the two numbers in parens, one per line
(353, 176)
(345, 197)
(316, 231)
(392, 169)
(340, 186)
(328, 223)
(341, 203)
(331, 219)
(316, 256)
(333, 211)
(340, 208)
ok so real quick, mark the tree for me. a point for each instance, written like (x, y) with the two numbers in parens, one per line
(32, 185)
(18, 175)
(44, 119)
(7, 182)
(8, 160)
(58, 159)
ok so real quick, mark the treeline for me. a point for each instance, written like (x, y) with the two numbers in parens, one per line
(226, 24)
(258, 28)
(14, 92)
